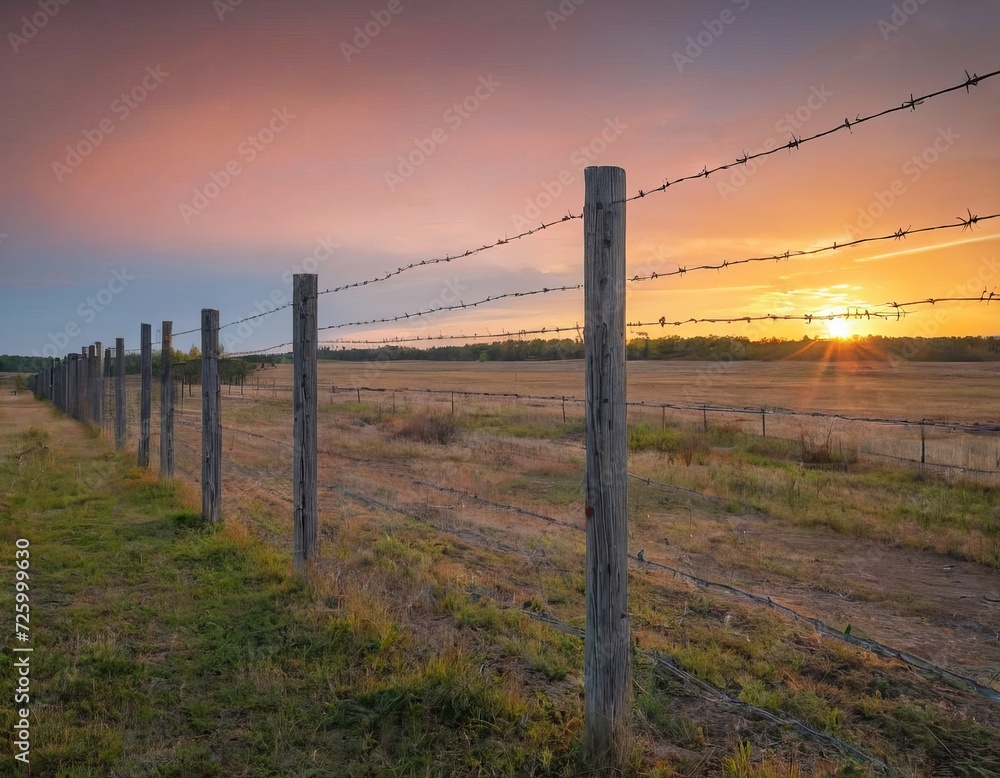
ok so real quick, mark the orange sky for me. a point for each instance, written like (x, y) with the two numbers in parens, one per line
(313, 146)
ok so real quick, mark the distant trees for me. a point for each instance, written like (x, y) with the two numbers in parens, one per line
(702, 347)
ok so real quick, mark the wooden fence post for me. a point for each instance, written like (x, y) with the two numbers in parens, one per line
(211, 418)
(119, 393)
(304, 337)
(145, 392)
(166, 401)
(105, 367)
(607, 684)
(763, 423)
(92, 374)
(71, 384)
(923, 444)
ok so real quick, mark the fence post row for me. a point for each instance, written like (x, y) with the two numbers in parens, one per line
(607, 686)
(166, 401)
(304, 337)
(145, 391)
(211, 418)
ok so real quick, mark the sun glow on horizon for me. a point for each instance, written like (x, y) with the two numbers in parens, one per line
(839, 328)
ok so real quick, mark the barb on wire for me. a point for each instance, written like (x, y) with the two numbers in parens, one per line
(452, 257)
(964, 224)
(474, 336)
(457, 306)
(860, 312)
(795, 143)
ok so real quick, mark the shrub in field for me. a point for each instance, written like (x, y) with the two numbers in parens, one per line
(824, 452)
(429, 428)
(642, 437)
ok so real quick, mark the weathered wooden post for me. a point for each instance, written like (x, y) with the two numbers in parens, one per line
(923, 443)
(211, 418)
(93, 375)
(166, 400)
(103, 364)
(71, 383)
(763, 423)
(607, 684)
(304, 337)
(145, 392)
(119, 393)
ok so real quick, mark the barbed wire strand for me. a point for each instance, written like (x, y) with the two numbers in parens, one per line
(860, 312)
(577, 328)
(795, 143)
(899, 234)
(455, 307)
(452, 257)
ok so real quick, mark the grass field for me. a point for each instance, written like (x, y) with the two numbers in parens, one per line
(436, 635)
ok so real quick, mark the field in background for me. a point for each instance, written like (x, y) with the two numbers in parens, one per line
(956, 392)
(439, 526)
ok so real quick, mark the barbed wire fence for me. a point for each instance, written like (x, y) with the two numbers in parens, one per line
(92, 388)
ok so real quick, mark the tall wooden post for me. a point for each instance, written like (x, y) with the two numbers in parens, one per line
(923, 444)
(119, 393)
(211, 418)
(607, 684)
(71, 384)
(166, 401)
(92, 377)
(304, 337)
(104, 364)
(145, 392)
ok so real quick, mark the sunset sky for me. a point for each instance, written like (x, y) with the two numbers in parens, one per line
(160, 158)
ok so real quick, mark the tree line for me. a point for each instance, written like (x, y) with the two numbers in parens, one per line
(187, 365)
(709, 347)
(968, 348)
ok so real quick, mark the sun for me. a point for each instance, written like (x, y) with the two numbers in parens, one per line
(839, 328)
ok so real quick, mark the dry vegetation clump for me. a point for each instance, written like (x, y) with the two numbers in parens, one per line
(428, 427)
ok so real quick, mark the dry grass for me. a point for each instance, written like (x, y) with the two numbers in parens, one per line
(435, 554)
